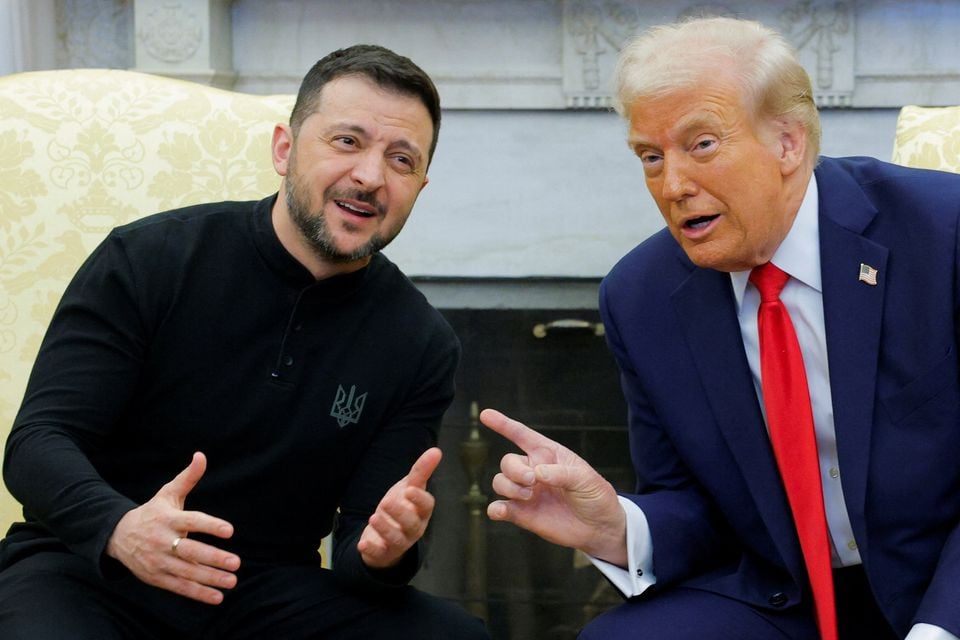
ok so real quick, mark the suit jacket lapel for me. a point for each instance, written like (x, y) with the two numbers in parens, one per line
(853, 312)
(707, 313)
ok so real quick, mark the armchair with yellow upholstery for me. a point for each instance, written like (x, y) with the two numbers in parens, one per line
(928, 138)
(82, 151)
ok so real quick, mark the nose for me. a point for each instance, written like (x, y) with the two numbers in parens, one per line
(676, 181)
(368, 172)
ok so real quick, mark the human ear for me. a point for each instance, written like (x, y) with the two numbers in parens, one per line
(792, 145)
(282, 147)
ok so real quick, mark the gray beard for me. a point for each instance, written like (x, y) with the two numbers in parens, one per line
(313, 228)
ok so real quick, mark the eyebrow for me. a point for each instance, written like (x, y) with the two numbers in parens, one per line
(680, 129)
(635, 142)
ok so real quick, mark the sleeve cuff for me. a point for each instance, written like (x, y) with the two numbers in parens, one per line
(924, 631)
(638, 576)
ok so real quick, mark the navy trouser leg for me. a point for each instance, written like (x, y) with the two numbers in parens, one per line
(690, 614)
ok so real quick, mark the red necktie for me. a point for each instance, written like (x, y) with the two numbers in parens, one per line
(790, 422)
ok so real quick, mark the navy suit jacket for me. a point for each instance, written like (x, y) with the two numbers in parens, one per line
(706, 477)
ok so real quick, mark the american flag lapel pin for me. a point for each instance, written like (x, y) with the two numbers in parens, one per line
(868, 274)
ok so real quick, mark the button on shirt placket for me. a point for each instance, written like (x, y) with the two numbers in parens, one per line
(291, 341)
(802, 302)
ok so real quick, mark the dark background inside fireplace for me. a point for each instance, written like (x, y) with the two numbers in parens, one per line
(565, 385)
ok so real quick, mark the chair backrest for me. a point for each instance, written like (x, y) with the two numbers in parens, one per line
(82, 151)
(928, 137)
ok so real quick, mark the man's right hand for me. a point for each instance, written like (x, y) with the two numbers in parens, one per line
(144, 538)
(554, 493)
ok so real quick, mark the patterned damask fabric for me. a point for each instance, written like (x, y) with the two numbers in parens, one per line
(929, 138)
(82, 151)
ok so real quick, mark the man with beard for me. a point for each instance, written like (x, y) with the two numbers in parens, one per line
(224, 384)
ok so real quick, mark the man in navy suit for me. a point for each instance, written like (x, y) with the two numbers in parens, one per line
(722, 119)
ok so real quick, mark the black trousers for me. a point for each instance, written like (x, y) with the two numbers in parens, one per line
(52, 595)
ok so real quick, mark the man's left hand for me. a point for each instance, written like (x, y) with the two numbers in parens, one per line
(401, 517)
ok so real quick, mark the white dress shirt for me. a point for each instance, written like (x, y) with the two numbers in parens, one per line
(799, 256)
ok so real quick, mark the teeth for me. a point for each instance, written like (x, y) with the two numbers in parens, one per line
(352, 208)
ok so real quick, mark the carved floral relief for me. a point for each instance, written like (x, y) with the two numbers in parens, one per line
(596, 30)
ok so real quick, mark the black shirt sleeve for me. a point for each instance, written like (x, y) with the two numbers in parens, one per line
(83, 375)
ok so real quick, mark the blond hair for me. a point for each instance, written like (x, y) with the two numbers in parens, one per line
(676, 56)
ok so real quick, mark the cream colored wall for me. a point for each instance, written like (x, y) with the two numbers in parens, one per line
(84, 151)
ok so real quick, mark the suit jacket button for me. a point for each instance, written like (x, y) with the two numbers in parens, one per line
(778, 599)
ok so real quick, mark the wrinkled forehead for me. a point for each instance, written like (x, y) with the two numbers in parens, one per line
(711, 104)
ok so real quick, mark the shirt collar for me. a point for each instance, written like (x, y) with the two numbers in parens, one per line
(799, 253)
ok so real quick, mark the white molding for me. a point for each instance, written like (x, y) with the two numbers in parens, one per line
(503, 54)
(595, 31)
(94, 33)
(187, 39)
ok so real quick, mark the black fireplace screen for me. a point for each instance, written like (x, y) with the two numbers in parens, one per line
(552, 370)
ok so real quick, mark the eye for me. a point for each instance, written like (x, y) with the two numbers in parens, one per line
(346, 141)
(404, 163)
(648, 157)
(651, 161)
(704, 145)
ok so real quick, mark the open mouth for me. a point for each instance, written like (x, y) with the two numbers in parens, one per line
(701, 222)
(354, 210)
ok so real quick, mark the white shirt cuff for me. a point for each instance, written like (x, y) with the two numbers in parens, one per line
(638, 576)
(924, 631)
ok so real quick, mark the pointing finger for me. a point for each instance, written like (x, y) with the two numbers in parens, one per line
(516, 432)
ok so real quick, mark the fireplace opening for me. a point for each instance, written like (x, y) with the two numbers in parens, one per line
(551, 369)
